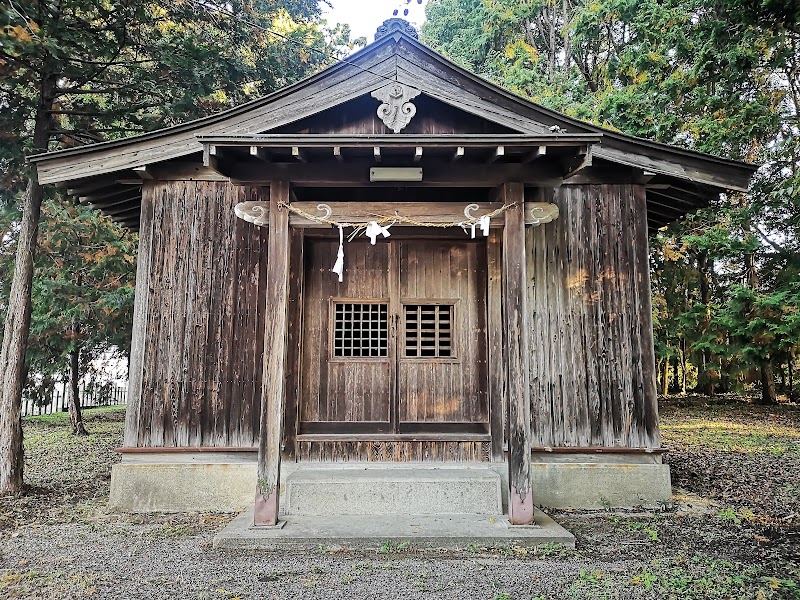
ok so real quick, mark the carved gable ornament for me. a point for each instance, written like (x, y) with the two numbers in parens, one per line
(396, 111)
(389, 26)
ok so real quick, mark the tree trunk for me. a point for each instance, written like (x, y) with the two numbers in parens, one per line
(675, 377)
(683, 366)
(15, 342)
(18, 319)
(665, 378)
(705, 380)
(768, 394)
(75, 416)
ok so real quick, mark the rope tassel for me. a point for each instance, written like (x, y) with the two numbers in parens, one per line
(338, 266)
(374, 230)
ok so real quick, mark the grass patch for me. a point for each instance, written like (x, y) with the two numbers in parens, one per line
(695, 577)
(734, 427)
(390, 547)
(767, 437)
(742, 455)
(646, 528)
(67, 476)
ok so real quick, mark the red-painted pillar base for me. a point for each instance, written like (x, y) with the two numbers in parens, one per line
(266, 511)
(520, 507)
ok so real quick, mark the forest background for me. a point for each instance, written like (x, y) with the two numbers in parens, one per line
(718, 77)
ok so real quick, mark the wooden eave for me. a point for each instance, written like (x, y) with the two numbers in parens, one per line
(395, 58)
(399, 148)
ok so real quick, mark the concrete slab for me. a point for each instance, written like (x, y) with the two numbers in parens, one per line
(375, 491)
(372, 532)
(588, 485)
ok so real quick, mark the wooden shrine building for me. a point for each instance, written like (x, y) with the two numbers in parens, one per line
(484, 305)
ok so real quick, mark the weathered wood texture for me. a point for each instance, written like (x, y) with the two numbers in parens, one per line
(343, 389)
(273, 387)
(515, 334)
(592, 369)
(449, 390)
(400, 451)
(395, 393)
(359, 116)
(198, 322)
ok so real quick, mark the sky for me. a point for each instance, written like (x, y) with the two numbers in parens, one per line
(364, 16)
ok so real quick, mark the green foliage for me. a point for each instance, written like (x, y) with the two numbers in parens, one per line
(718, 77)
(83, 289)
(81, 71)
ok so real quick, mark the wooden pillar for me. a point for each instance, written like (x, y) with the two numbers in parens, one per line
(275, 344)
(520, 497)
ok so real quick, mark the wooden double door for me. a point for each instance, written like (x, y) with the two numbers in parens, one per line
(399, 346)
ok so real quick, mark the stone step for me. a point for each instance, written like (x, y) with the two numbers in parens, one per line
(376, 491)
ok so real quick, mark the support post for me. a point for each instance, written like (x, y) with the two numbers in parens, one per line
(275, 345)
(520, 497)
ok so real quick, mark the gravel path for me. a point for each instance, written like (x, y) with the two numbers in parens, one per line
(138, 561)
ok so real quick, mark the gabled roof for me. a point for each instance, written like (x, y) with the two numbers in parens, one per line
(399, 57)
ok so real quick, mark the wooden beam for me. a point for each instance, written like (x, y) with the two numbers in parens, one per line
(87, 187)
(303, 140)
(499, 152)
(260, 153)
(299, 154)
(459, 154)
(183, 171)
(534, 154)
(418, 154)
(678, 199)
(273, 389)
(211, 158)
(143, 172)
(116, 192)
(130, 198)
(127, 216)
(291, 421)
(515, 329)
(578, 162)
(337, 154)
(376, 153)
(435, 174)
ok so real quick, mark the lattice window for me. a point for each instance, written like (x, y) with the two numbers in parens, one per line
(360, 330)
(429, 330)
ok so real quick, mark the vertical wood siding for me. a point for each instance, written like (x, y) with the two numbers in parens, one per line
(198, 330)
(591, 346)
(359, 116)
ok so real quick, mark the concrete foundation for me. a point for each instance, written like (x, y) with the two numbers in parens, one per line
(218, 482)
(423, 491)
(183, 487)
(371, 532)
(593, 485)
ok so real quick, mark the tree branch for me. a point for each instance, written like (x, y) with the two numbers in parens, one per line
(777, 247)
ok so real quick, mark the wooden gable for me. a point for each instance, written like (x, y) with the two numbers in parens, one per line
(359, 117)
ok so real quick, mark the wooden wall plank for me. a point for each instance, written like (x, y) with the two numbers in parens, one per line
(591, 363)
(199, 336)
(496, 348)
(294, 356)
(140, 318)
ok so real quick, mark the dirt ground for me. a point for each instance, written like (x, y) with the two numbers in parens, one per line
(734, 531)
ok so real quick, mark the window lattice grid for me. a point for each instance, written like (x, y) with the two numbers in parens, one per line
(429, 330)
(360, 330)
